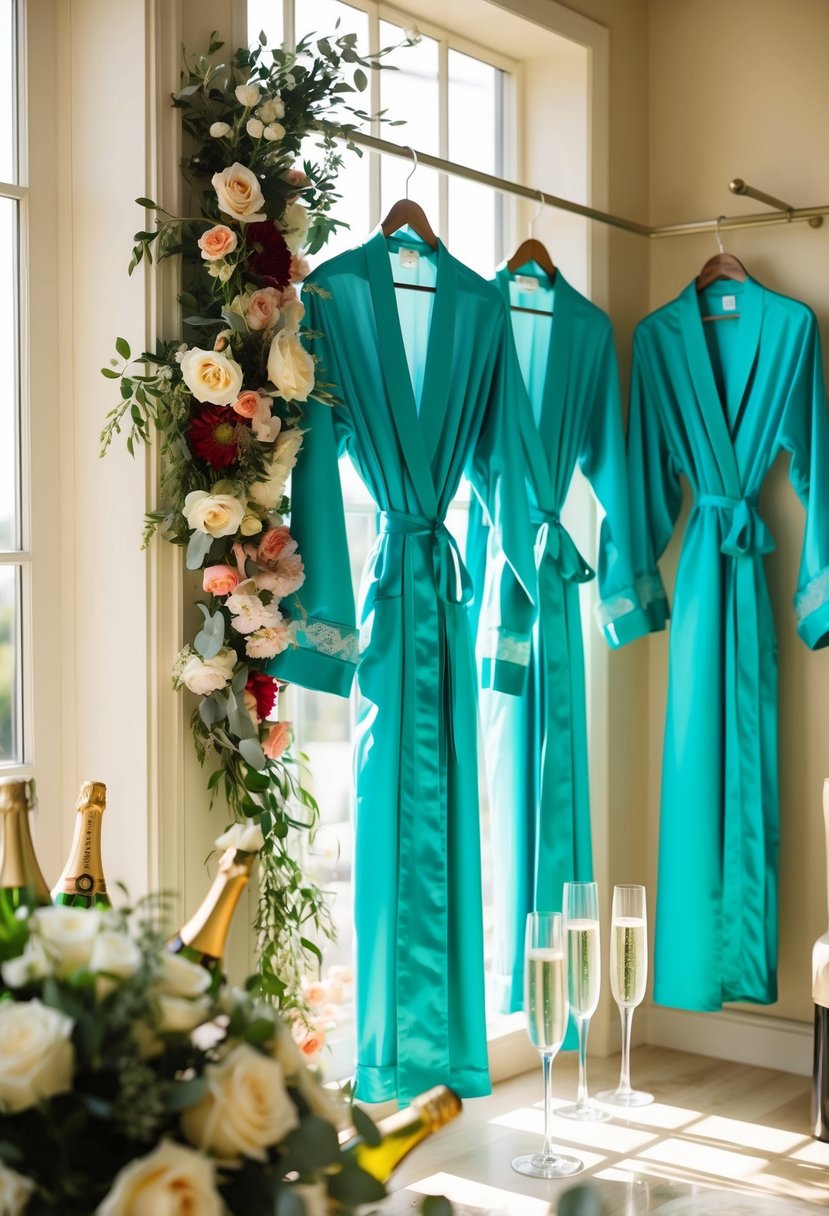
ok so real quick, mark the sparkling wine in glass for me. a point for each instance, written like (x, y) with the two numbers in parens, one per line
(545, 1004)
(628, 977)
(581, 926)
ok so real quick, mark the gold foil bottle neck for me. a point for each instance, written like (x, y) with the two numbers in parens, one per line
(15, 795)
(440, 1105)
(208, 929)
(93, 795)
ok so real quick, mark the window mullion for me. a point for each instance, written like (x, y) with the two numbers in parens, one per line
(289, 23)
(374, 181)
(443, 137)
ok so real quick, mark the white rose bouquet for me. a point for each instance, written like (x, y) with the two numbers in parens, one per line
(111, 1106)
(227, 405)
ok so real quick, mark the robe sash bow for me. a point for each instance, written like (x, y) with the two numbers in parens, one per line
(553, 541)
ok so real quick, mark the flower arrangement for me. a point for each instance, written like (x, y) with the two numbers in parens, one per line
(131, 1082)
(227, 404)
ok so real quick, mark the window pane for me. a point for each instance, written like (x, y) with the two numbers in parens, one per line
(352, 209)
(265, 15)
(9, 404)
(410, 93)
(9, 663)
(474, 140)
(8, 92)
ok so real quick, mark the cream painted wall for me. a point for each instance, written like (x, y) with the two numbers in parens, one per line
(741, 90)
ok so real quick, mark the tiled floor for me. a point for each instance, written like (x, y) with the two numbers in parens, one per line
(720, 1138)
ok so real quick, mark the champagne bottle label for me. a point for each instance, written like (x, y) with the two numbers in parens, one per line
(82, 882)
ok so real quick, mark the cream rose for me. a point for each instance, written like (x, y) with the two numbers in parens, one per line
(216, 514)
(68, 935)
(239, 194)
(36, 1053)
(290, 367)
(203, 676)
(251, 525)
(15, 1191)
(211, 376)
(181, 978)
(291, 314)
(263, 308)
(246, 1110)
(247, 95)
(294, 226)
(217, 242)
(268, 494)
(171, 1181)
(33, 964)
(245, 837)
(115, 953)
(178, 1014)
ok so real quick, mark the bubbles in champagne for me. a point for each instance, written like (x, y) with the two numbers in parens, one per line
(628, 959)
(583, 966)
(546, 999)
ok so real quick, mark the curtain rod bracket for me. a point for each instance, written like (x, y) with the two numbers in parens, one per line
(739, 186)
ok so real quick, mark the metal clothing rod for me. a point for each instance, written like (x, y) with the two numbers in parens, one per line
(784, 215)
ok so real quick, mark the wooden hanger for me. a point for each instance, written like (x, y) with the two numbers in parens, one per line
(721, 266)
(406, 212)
(532, 250)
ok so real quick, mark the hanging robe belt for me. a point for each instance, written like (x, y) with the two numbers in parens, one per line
(744, 861)
(747, 535)
(452, 580)
(553, 541)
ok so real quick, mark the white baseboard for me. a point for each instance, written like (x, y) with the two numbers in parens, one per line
(746, 1038)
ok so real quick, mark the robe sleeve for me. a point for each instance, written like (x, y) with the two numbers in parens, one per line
(805, 433)
(324, 653)
(497, 475)
(654, 491)
(602, 460)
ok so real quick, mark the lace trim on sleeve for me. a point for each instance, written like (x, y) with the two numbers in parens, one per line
(502, 645)
(609, 610)
(813, 596)
(336, 641)
(649, 589)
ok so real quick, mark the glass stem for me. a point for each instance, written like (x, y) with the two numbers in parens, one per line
(547, 1061)
(582, 1100)
(627, 1017)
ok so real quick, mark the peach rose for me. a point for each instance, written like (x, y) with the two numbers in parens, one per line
(240, 194)
(276, 543)
(263, 308)
(220, 580)
(300, 267)
(278, 740)
(295, 177)
(246, 404)
(284, 578)
(217, 242)
(314, 992)
(310, 1040)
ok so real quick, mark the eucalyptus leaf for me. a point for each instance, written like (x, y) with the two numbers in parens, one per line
(183, 1094)
(209, 640)
(353, 1186)
(197, 549)
(436, 1205)
(365, 1126)
(251, 750)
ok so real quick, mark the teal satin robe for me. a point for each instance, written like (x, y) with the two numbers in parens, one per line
(717, 402)
(421, 404)
(536, 743)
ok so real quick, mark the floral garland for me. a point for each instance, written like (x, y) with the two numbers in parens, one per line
(228, 409)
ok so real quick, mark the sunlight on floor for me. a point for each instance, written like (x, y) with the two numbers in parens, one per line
(479, 1195)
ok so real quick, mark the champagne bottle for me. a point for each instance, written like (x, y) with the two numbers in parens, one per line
(204, 937)
(82, 883)
(22, 884)
(401, 1132)
(820, 996)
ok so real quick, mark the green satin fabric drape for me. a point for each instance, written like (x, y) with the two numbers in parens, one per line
(417, 879)
(569, 413)
(717, 403)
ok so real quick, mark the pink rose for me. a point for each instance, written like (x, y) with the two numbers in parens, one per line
(220, 580)
(295, 177)
(246, 404)
(217, 242)
(268, 643)
(263, 308)
(275, 543)
(284, 578)
(300, 267)
(313, 991)
(310, 1040)
(278, 740)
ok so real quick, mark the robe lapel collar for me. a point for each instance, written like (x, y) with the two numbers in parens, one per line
(554, 402)
(392, 355)
(705, 386)
(750, 323)
(436, 376)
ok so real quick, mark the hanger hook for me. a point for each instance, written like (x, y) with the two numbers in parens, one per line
(413, 169)
(538, 211)
(718, 233)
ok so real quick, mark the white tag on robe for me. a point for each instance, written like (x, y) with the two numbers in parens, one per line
(409, 258)
(526, 282)
(729, 303)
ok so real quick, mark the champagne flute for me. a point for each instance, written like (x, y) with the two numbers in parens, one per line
(545, 1004)
(581, 924)
(628, 977)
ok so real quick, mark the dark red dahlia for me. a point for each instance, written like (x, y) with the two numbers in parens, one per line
(213, 435)
(269, 256)
(266, 691)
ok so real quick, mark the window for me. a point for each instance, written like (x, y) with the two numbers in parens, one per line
(14, 555)
(453, 98)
